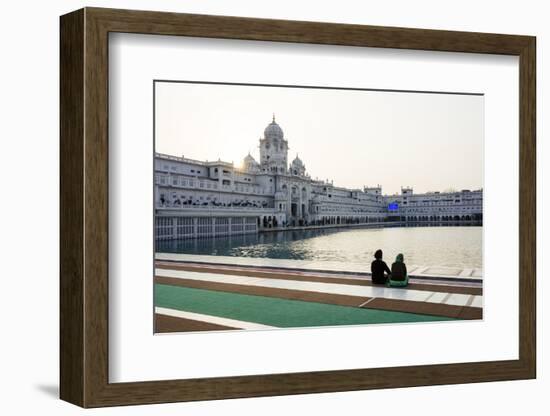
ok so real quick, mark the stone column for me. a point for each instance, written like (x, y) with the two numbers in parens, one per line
(299, 210)
(289, 203)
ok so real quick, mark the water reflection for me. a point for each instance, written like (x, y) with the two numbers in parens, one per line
(431, 246)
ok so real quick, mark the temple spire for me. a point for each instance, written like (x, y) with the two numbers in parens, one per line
(274, 117)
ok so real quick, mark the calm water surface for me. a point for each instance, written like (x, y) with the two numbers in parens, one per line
(429, 246)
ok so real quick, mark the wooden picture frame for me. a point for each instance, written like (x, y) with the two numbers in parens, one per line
(84, 207)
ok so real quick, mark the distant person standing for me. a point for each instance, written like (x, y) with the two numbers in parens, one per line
(379, 269)
(399, 276)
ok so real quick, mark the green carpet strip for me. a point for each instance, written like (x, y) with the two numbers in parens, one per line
(281, 313)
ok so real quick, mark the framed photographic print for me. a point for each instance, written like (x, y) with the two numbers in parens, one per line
(255, 207)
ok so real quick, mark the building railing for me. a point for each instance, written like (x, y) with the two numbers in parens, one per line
(176, 207)
(194, 161)
(193, 183)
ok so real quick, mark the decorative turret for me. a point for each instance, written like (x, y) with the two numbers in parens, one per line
(273, 149)
(250, 164)
(407, 190)
(297, 167)
(273, 131)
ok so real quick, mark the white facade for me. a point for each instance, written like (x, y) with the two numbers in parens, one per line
(455, 206)
(204, 199)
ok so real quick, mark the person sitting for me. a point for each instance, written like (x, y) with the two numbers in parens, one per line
(378, 269)
(399, 276)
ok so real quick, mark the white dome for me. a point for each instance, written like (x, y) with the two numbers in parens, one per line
(249, 159)
(250, 164)
(273, 131)
(297, 167)
(297, 162)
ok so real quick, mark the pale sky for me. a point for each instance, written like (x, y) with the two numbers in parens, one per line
(431, 142)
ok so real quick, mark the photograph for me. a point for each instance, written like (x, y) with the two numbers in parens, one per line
(280, 205)
(293, 206)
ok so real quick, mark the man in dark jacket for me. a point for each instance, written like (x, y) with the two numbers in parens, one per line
(379, 269)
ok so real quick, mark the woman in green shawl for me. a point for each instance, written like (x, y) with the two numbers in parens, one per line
(399, 276)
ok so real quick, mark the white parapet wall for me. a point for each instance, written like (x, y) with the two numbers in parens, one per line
(185, 227)
(472, 275)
